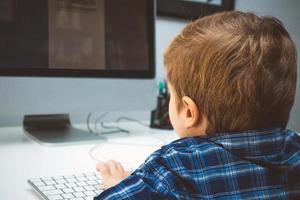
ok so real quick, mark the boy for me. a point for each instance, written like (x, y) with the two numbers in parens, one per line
(232, 82)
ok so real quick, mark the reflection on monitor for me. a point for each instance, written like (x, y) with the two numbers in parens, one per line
(74, 56)
(76, 38)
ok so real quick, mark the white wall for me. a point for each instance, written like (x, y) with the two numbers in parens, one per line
(166, 29)
(287, 11)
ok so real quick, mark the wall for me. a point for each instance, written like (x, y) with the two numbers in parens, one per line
(166, 29)
(286, 11)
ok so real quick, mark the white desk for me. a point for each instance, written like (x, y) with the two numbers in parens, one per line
(22, 158)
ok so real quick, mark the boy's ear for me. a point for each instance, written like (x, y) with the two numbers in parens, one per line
(191, 112)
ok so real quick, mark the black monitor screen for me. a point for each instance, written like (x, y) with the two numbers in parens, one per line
(113, 38)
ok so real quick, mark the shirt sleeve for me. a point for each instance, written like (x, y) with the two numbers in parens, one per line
(147, 182)
(133, 187)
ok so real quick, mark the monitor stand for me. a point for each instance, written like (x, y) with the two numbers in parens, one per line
(56, 129)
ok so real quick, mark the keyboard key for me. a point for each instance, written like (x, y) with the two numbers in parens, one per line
(101, 186)
(35, 180)
(78, 194)
(91, 178)
(68, 190)
(78, 189)
(88, 188)
(71, 185)
(71, 180)
(39, 183)
(90, 193)
(91, 182)
(47, 179)
(89, 198)
(55, 197)
(97, 187)
(48, 187)
(82, 178)
(60, 186)
(61, 181)
(49, 182)
(58, 177)
(98, 191)
(53, 192)
(82, 184)
(68, 196)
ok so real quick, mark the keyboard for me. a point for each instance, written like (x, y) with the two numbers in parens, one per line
(74, 187)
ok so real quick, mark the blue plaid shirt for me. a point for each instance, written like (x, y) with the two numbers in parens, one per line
(246, 165)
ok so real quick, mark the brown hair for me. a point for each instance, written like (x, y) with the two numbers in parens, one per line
(239, 68)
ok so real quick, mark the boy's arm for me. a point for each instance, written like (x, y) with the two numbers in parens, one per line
(133, 187)
(139, 185)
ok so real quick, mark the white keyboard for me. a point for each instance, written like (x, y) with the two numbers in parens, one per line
(76, 187)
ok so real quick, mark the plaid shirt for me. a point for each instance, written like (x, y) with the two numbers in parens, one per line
(246, 165)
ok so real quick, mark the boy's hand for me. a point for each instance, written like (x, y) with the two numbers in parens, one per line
(112, 173)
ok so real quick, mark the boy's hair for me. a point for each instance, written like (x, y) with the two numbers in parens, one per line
(240, 69)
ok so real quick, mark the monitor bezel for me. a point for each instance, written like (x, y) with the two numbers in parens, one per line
(149, 73)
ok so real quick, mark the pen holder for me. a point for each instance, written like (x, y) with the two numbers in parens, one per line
(160, 116)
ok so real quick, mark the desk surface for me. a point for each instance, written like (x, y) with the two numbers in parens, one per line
(22, 158)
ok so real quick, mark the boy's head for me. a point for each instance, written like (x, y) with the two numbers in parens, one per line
(238, 69)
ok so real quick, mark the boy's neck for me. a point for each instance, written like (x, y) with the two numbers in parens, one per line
(193, 132)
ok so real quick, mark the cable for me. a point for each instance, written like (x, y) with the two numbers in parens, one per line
(88, 123)
(114, 127)
(98, 132)
(133, 120)
(97, 120)
(91, 150)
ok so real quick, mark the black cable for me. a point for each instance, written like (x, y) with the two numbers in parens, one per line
(97, 121)
(131, 119)
(88, 123)
(113, 127)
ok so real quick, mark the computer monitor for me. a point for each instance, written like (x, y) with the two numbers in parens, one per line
(75, 56)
